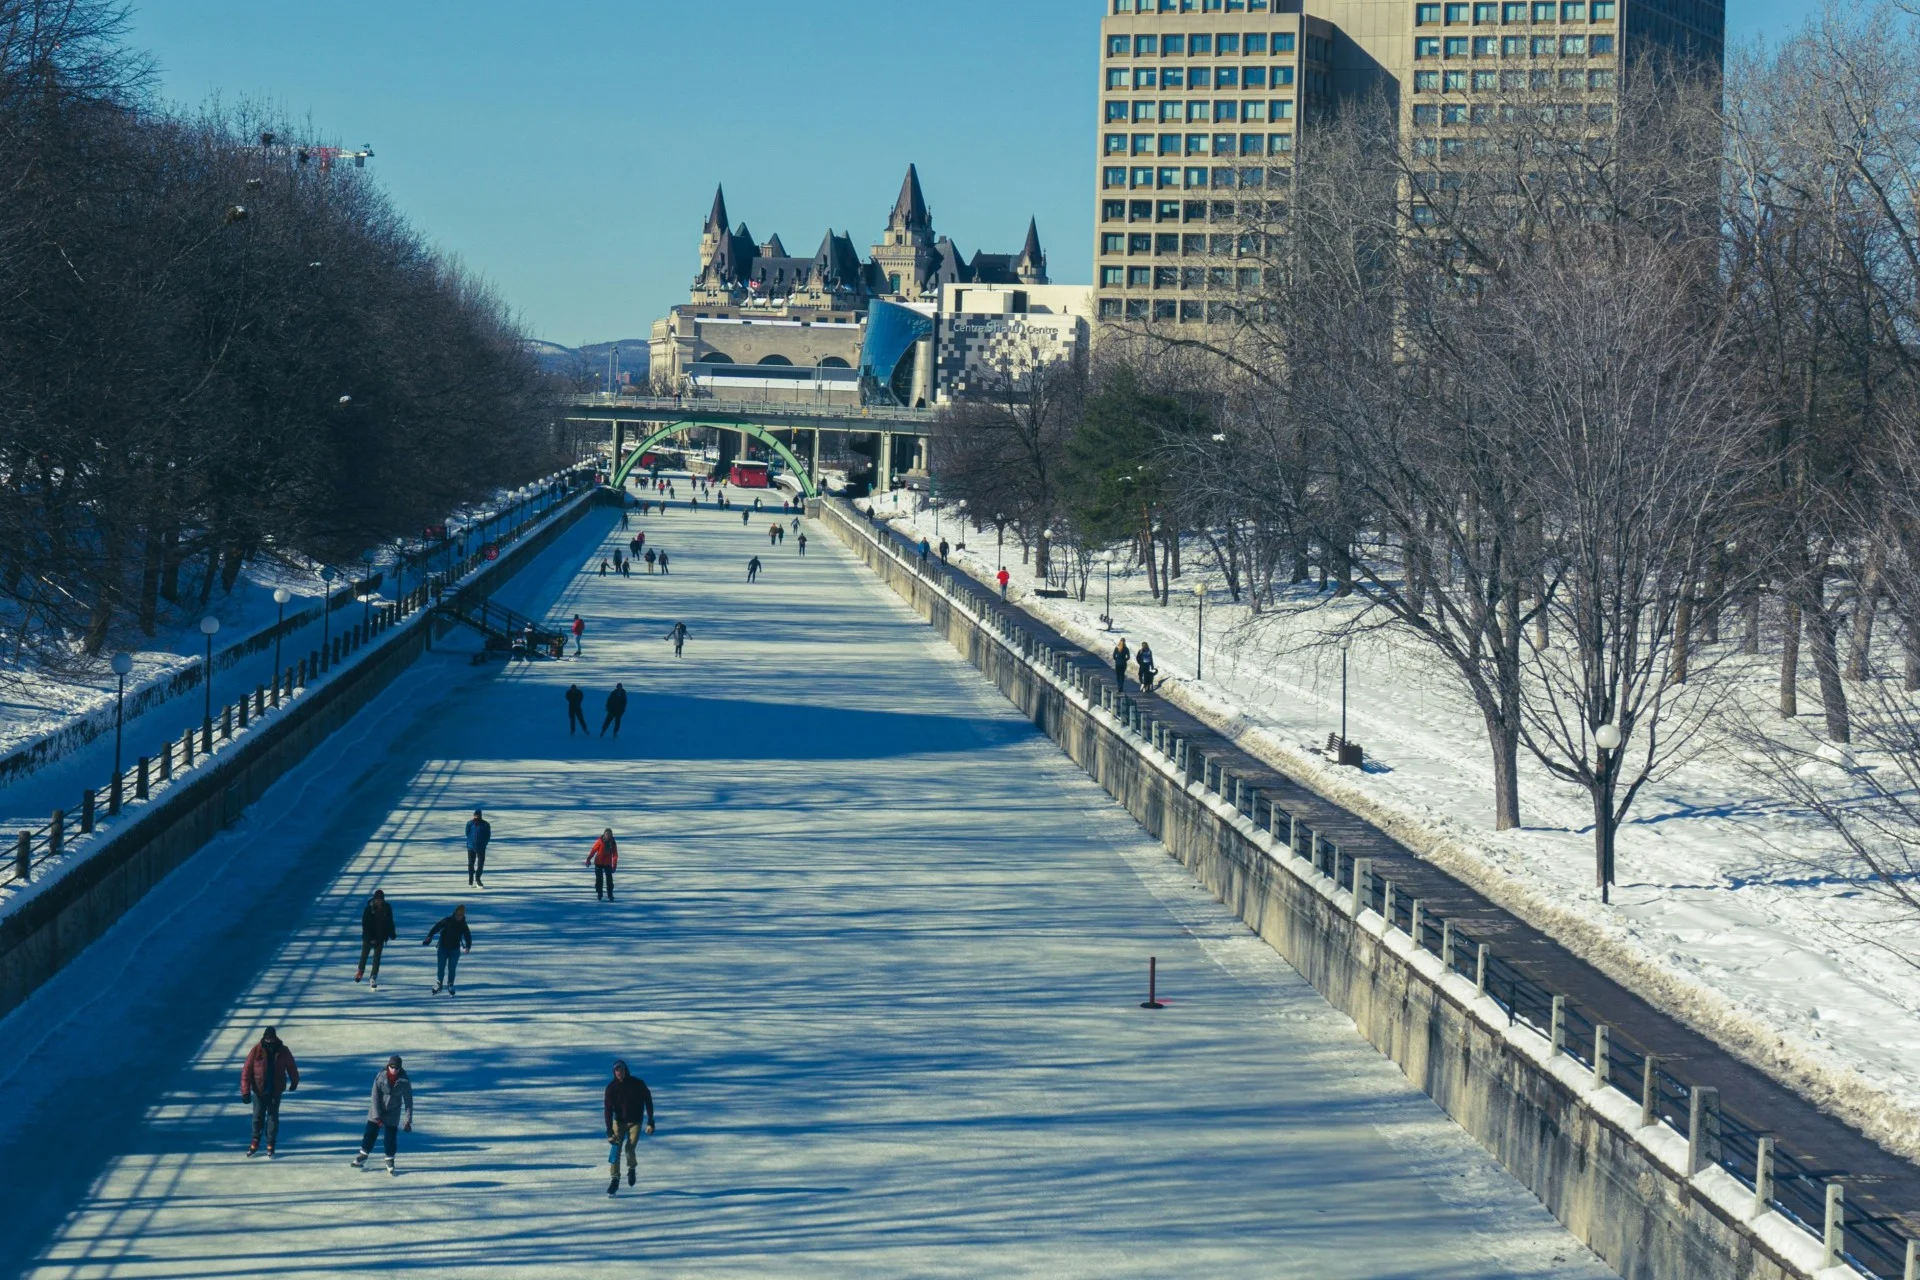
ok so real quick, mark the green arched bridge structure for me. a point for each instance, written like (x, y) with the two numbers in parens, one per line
(662, 417)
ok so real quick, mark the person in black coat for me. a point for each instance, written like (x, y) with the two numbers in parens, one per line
(575, 698)
(616, 708)
(376, 931)
(625, 1105)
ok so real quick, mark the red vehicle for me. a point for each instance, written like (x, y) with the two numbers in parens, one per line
(748, 475)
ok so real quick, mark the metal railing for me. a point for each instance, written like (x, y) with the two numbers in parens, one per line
(136, 784)
(1810, 1197)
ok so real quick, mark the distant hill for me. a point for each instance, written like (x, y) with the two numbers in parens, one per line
(591, 360)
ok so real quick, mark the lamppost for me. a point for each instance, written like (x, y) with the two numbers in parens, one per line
(999, 542)
(1346, 647)
(208, 625)
(122, 663)
(1607, 738)
(327, 575)
(280, 597)
(1199, 625)
(1106, 562)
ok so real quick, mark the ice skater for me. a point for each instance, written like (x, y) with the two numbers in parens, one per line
(479, 833)
(391, 1108)
(454, 938)
(616, 710)
(803, 544)
(626, 1105)
(376, 931)
(576, 696)
(746, 517)
(679, 637)
(270, 1072)
(579, 631)
(603, 858)
(753, 568)
(652, 556)
(663, 560)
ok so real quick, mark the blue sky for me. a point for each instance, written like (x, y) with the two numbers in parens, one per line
(568, 151)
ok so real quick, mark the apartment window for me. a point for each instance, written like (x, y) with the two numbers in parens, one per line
(1139, 277)
(1140, 211)
(1423, 215)
(1143, 144)
(1279, 142)
(1109, 308)
(1544, 12)
(1255, 77)
(1113, 242)
(1202, 78)
(1143, 77)
(1191, 312)
(1226, 111)
(1117, 78)
(1139, 243)
(1227, 46)
(1603, 10)
(1253, 112)
(1573, 11)
(1456, 46)
(1224, 143)
(1116, 112)
(1255, 42)
(1484, 80)
(1226, 77)
(1453, 113)
(1170, 113)
(1112, 277)
(1600, 113)
(1281, 110)
(1282, 76)
(1248, 278)
(1191, 245)
(1426, 46)
(1168, 178)
(1599, 79)
(1486, 13)
(1426, 113)
(1484, 46)
(1426, 82)
(1143, 177)
(1136, 308)
(1456, 13)
(1543, 46)
(1196, 144)
(1222, 211)
(1480, 114)
(1426, 15)
(1252, 144)
(1601, 44)
(1196, 211)
(1201, 45)
(1166, 277)
(1169, 210)
(1166, 244)
(1113, 177)
(1219, 278)
(1539, 80)
(1512, 46)
(1453, 146)
(1571, 79)
(1165, 309)
(1116, 144)
(1571, 46)
(1223, 178)
(1113, 210)
(1196, 177)
(1198, 112)
(1455, 82)
(1283, 42)
(1173, 46)
(1172, 78)
(1169, 144)
(1117, 46)
(1513, 13)
(1424, 147)
(1143, 111)
(1144, 46)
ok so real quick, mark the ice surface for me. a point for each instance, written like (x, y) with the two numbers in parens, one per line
(878, 950)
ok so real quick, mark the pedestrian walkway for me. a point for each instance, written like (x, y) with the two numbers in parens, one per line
(877, 948)
(1877, 1182)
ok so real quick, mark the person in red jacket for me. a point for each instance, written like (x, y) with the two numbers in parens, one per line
(1002, 577)
(270, 1072)
(603, 858)
(579, 630)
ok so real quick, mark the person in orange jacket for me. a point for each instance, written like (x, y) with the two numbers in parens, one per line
(270, 1072)
(604, 857)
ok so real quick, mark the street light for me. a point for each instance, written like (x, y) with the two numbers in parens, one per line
(1346, 647)
(1106, 561)
(1199, 625)
(280, 597)
(999, 542)
(1607, 738)
(122, 663)
(208, 625)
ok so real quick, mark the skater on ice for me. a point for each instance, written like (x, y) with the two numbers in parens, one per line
(679, 637)
(603, 858)
(575, 697)
(479, 832)
(269, 1073)
(376, 931)
(391, 1109)
(454, 937)
(616, 710)
(627, 1104)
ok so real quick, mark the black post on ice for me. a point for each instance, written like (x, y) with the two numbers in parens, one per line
(1153, 972)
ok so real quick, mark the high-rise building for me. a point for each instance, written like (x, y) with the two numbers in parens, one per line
(1201, 99)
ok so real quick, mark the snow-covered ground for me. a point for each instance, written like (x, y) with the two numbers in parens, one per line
(1717, 915)
(34, 706)
(878, 950)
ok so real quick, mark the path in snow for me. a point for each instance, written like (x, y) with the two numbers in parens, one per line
(878, 950)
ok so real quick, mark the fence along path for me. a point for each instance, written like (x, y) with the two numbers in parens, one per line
(1806, 1152)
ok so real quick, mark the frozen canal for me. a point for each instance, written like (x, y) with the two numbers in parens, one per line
(878, 950)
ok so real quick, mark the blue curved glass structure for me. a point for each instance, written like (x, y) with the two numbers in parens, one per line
(887, 354)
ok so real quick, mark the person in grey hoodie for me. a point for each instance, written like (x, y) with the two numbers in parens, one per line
(391, 1109)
